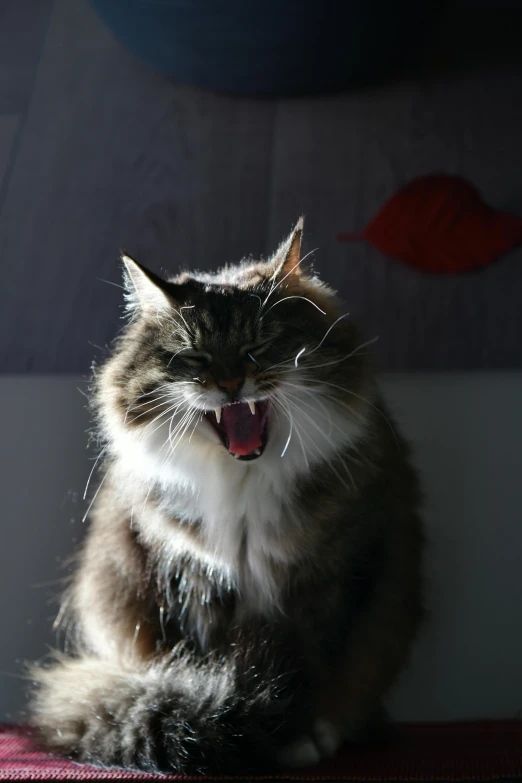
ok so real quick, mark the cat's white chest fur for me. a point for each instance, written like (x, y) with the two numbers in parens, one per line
(245, 518)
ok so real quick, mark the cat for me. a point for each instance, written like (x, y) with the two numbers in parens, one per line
(251, 582)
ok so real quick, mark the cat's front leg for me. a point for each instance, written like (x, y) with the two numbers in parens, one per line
(323, 741)
(111, 602)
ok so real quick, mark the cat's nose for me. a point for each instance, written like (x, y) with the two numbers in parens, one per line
(231, 385)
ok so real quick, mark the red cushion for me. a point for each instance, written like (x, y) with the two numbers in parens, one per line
(423, 752)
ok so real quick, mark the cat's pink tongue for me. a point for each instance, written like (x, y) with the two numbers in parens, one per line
(243, 428)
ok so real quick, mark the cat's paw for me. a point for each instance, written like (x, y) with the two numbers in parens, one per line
(327, 738)
(306, 751)
(302, 752)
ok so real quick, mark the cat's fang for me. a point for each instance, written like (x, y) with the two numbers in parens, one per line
(217, 411)
(252, 407)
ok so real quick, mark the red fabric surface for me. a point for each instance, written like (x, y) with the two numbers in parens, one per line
(423, 752)
(440, 224)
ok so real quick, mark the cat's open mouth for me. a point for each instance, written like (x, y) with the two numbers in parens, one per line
(242, 428)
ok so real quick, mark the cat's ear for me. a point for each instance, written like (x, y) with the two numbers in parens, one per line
(285, 262)
(144, 291)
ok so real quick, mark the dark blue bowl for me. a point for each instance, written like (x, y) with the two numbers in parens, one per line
(272, 47)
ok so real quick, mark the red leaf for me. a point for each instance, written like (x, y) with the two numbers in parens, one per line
(440, 224)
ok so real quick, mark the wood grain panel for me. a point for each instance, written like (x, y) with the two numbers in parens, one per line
(113, 155)
(9, 124)
(23, 25)
(338, 158)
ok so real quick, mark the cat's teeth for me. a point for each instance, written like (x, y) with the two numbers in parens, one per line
(217, 411)
(252, 407)
(257, 452)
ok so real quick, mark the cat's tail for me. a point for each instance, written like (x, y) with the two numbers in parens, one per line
(177, 716)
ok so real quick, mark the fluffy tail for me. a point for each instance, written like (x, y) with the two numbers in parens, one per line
(178, 716)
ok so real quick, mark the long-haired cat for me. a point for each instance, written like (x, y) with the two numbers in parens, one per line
(249, 587)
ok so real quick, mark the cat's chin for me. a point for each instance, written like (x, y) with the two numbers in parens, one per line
(242, 429)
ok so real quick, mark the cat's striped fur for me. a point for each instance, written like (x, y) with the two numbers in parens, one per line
(235, 611)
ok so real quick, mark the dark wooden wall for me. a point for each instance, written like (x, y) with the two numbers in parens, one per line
(97, 152)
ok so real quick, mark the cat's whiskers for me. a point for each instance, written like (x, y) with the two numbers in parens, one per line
(293, 361)
(173, 357)
(317, 391)
(179, 312)
(153, 481)
(149, 409)
(181, 430)
(179, 332)
(191, 410)
(316, 396)
(295, 296)
(172, 410)
(293, 400)
(291, 364)
(102, 452)
(152, 393)
(255, 296)
(301, 352)
(169, 398)
(134, 407)
(308, 392)
(285, 362)
(344, 315)
(178, 399)
(304, 349)
(341, 458)
(97, 491)
(195, 425)
(173, 431)
(291, 420)
(344, 405)
(298, 403)
(348, 356)
(368, 402)
(328, 461)
(177, 434)
(321, 452)
(289, 416)
(187, 417)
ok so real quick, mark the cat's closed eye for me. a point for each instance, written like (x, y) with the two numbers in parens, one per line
(254, 351)
(196, 359)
